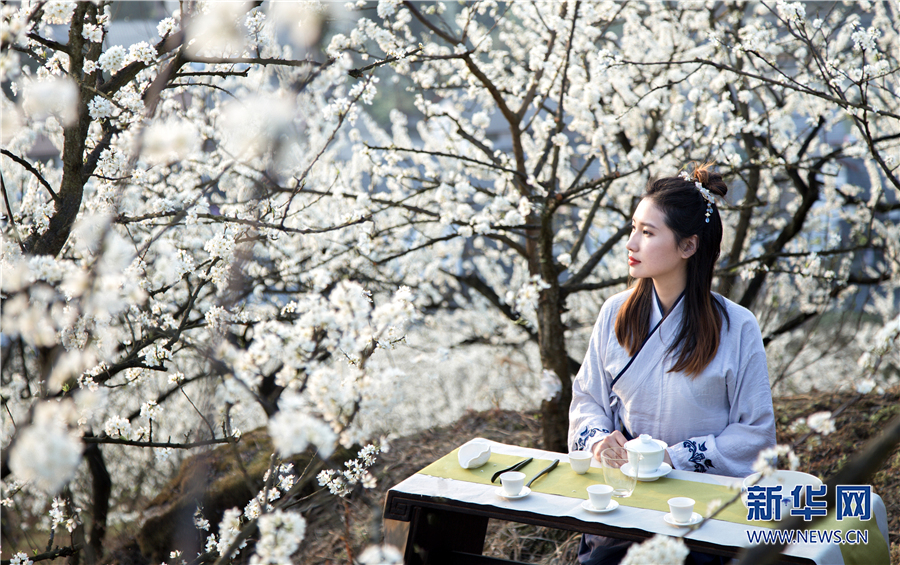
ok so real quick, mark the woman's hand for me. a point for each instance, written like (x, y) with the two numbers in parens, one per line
(615, 439)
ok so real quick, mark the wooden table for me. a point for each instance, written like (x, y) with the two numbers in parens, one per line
(447, 519)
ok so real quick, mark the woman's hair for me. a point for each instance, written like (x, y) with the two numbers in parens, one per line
(687, 212)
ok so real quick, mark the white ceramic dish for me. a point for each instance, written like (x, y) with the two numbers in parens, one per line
(474, 454)
(695, 519)
(502, 493)
(613, 504)
(663, 470)
(787, 479)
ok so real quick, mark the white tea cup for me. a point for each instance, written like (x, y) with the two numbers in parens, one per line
(580, 461)
(681, 508)
(512, 482)
(600, 495)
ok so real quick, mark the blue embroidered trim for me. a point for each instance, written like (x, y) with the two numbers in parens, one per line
(698, 458)
(586, 434)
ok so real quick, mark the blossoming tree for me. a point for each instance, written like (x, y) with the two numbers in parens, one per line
(163, 281)
(538, 126)
(227, 239)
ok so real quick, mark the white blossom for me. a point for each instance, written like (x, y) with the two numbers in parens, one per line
(280, 534)
(117, 427)
(821, 422)
(660, 550)
(292, 431)
(20, 558)
(47, 452)
(170, 140)
(58, 11)
(217, 31)
(380, 555)
(150, 410)
(229, 528)
(56, 97)
(92, 33)
(550, 385)
(166, 26)
(767, 460)
(112, 59)
(865, 386)
(141, 51)
(100, 108)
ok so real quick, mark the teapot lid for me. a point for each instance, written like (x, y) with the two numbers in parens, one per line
(643, 444)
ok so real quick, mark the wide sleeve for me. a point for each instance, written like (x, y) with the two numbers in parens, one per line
(751, 417)
(590, 415)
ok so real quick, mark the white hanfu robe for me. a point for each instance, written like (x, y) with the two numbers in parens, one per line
(716, 422)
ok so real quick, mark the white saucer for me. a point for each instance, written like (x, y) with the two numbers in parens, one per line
(695, 519)
(613, 504)
(502, 494)
(663, 470)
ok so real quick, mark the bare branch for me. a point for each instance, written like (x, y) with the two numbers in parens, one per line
(357, 73)
(589, 265)
(475, 282)
(767, 80)
(31, 170)
(428, 243)
(254, 61)
(55, 45)
(442, 154)
(427, 23)
(163, 444)
(586, 225)
(9, 214)
(47, 555)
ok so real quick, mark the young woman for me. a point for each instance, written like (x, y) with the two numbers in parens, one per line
(668, 357)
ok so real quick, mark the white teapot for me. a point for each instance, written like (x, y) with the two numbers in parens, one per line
(645, 454)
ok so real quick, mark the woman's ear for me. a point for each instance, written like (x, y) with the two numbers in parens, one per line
(689, 246)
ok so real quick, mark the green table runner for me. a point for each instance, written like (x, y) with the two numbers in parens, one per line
(566, 482)
(654, 495)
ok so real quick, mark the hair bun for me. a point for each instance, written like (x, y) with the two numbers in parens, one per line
(710, 179)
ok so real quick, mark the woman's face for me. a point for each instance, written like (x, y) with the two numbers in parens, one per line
(652, 251)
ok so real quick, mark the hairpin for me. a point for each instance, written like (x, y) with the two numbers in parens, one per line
(703, 192)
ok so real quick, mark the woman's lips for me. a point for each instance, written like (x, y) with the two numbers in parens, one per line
(632, 261)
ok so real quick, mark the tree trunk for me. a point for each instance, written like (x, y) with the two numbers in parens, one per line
(554, 412)
(552, 340)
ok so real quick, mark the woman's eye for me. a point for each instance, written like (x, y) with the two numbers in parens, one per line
(646, 232)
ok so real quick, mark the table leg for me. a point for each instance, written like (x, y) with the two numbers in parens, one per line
(396, 533)
(434, 534)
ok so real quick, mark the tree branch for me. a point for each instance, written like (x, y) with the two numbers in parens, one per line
(588, 267)
(427, 23)
(253, 61)
(795, 86)
(475, 282)
(58, 552)
(586, 224)
(163, 444)
(357, 73)
(31, 170)
(9, 214)
(594, 286)
(417, 248)
(55, 45)
(442, 154)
